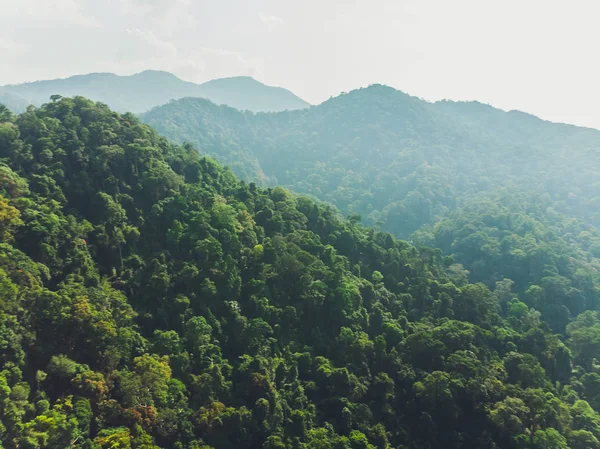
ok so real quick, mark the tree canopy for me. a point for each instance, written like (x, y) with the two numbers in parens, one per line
(150, 299)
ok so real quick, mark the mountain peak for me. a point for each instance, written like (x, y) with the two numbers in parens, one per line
(378, 96)
(156, 73)
(237, 81)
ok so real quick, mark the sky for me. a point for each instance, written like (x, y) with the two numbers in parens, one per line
(538, 56)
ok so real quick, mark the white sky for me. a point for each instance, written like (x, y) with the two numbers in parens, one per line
(539, 56)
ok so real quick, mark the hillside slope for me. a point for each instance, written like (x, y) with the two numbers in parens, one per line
(150, 299)
(513, 198)
(393, 158)
(142, 91)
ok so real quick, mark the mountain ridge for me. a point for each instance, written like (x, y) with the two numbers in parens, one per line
(141, 91)
(384, 132)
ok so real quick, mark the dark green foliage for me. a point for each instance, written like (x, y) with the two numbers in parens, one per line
(150, 299)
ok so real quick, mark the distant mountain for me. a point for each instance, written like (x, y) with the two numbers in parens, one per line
(13, 102)
(396, 159)
(142, 91)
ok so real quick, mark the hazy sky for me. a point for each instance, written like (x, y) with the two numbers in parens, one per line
(539, 56)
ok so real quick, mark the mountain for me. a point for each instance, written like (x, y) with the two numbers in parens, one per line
(142, 91)
(13, 102)
(245, 93)
(152, 300)
(393, 158)
(512, 198)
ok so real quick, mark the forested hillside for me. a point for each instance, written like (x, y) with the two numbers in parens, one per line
(514, 199)
(397, 160)
(142, 91)
(150, 299)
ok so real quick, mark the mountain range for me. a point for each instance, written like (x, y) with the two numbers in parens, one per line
(150, 299)
(395, 159)
(142, 91)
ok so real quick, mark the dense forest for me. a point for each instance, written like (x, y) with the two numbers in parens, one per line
(142, 91)
(512, 198)
(398, 161)
(150, 299)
